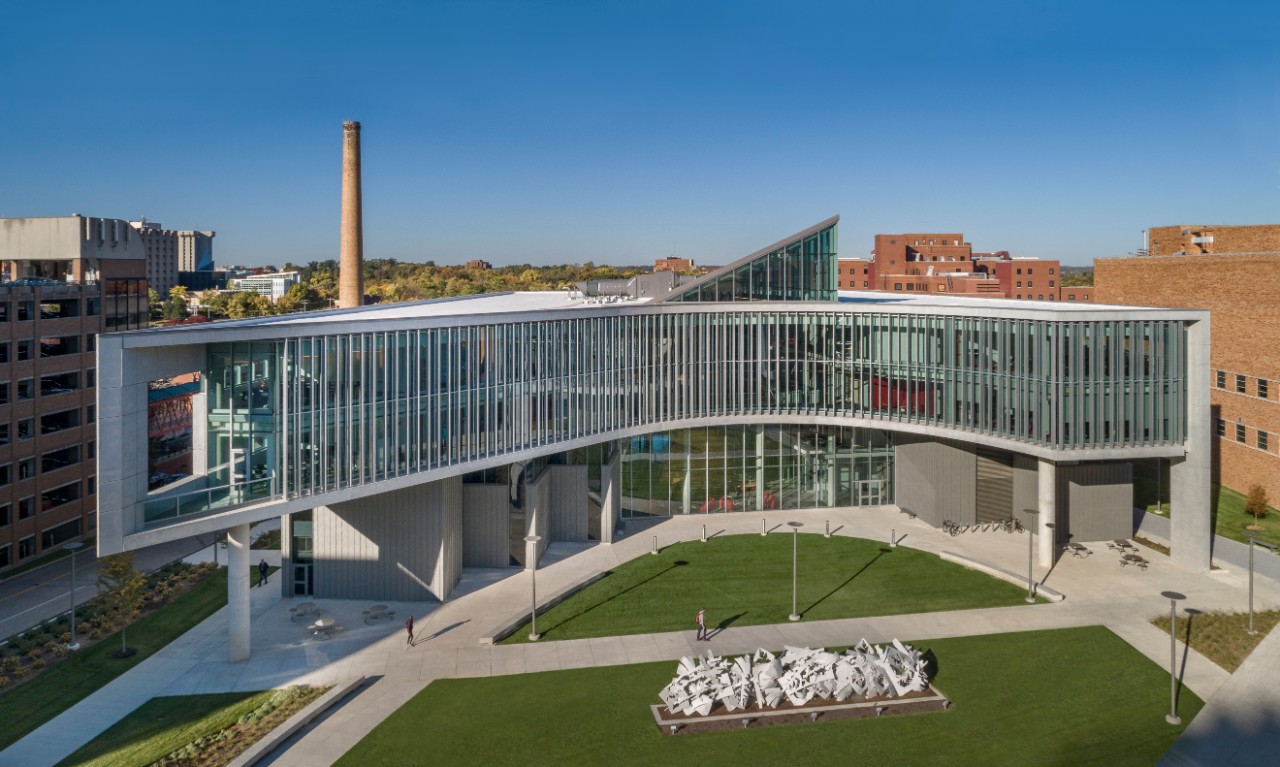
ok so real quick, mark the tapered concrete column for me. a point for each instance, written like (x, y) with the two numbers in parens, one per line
(351, 247)
(1047, 503)
(611, 497)
(238, 593)
(759, 468)
(686, 489)
(286, 556)
(831, 471)
(1190, 517)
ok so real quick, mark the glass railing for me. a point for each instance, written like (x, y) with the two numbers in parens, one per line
(217, 498)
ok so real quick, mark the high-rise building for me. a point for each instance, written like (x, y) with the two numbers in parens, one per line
(171, 251)
(1235, 271)
(65, 280)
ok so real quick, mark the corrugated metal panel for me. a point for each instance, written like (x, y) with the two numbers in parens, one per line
(485, 525)
(993, 489)
(1026, 487)
(935, 479)
(568, 517)
(1095, 501)
(407, 546)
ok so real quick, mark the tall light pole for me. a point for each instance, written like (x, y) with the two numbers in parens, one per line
(1174, 598)
(1031, 533)
(1253, 539)
(533, 587)
(73, 545)
(795, 547)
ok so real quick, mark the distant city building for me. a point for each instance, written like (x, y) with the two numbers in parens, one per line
(171, 251)
(1235, 270)
(274, 286)
(672, 264)
(945, 263)
(476, 263)
(66, 280)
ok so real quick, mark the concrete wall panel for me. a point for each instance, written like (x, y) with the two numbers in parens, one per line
(1095, 502)
(568, 501)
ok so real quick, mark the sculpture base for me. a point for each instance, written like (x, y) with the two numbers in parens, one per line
(816, 710)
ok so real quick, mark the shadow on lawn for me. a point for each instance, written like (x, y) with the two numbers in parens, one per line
(847, 581)
(632, 587)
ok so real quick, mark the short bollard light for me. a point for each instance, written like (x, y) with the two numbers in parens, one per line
(704, 533)
(893, 538)
(654, 550)
(764, 527)
(827, 532)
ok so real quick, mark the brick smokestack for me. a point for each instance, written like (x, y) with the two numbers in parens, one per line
(351, 249)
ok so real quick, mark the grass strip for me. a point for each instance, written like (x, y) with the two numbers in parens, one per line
(1063, 698)
(30, 705)
(1222, 637)
(745, 580)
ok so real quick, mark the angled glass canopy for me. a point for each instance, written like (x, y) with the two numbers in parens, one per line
(801, 267)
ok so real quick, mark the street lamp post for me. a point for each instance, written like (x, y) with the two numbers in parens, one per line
(533, 589)
(1031, 533)
(1253, 540)
(1173, 597)
(71, 547)
(795, 547)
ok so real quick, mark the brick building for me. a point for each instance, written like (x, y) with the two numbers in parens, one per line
(945, 263)
(1244, 324)
(672, 264)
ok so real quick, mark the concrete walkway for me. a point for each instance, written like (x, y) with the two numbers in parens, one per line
(1097, 589)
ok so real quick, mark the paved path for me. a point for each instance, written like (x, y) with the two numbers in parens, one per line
(1098, 591)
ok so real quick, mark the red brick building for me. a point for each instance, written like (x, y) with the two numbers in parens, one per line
(945, 263)
(672, 264)
(1244, 264)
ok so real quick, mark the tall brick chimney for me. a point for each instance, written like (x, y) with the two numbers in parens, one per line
(351, 249)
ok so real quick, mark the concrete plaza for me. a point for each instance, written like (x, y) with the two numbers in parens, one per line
(1239, 725)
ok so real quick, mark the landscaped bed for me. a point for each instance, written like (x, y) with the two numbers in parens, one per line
(39, 694)
(1079, 696)
(192, 730)
(1222, 637)
(745, 580)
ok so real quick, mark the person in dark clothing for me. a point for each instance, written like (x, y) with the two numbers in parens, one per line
(408, 627)
(262, 572)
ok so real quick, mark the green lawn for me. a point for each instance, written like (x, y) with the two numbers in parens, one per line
(32, 704)
(1230, 518)
(745, 580)
(161, 726)
(1065, 698)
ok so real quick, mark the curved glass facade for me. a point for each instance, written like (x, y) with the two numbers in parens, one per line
(312, 414)
(755, 468)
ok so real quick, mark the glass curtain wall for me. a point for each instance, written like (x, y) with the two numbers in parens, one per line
(320, 413)
(752, 468)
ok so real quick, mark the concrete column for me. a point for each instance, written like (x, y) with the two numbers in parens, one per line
(759, 468)
(238, 593)
(686, 489)
(286, 556)
(351, 249)
(199, 433)
(610, 496)
(1190, 508)
(1047, 503)
(831, 471)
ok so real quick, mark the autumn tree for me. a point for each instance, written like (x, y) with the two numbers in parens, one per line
(1256, 504)
(120, 588)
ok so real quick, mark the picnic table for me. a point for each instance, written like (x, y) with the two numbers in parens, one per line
(1133, 559)
(302, 610)
(322, 628)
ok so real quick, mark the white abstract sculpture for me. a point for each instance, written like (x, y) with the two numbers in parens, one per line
(799, 675)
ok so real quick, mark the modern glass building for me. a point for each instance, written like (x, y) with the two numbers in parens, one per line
(473, 422)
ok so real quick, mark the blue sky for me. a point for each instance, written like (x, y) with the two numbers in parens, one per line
(552, 132)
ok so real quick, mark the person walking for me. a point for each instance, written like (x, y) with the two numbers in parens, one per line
(262, 572)
(408, 627)
(700, 620)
